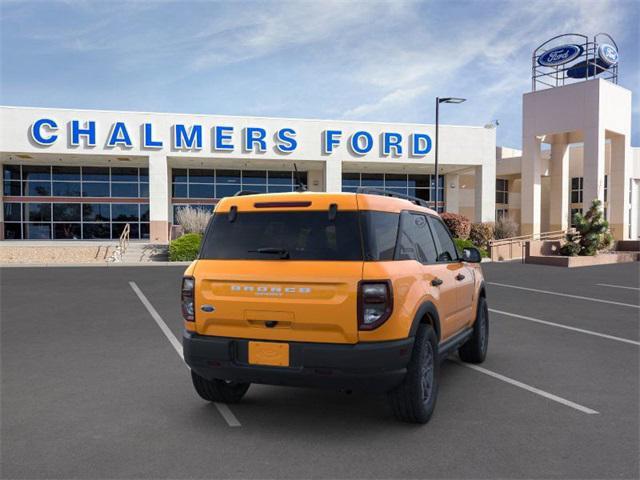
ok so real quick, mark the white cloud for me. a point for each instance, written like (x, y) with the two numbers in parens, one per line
(487, 55)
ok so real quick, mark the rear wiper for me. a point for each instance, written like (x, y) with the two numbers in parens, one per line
(283, 252)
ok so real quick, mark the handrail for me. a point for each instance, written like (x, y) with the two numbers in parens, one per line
(521, 242)
(123, 244)
(530, 237)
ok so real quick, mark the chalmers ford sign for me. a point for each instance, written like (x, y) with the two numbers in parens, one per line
(223, 138)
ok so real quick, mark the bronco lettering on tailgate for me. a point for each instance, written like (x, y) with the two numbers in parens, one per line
(271, 291)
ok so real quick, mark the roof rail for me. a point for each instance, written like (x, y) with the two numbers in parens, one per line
(387, 193)
(242, 193)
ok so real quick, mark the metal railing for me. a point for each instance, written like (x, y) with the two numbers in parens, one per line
(123, 244)
(517, 245)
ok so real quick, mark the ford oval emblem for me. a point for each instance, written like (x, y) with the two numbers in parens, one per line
(608, 54)
(560, 55)
(207, 308)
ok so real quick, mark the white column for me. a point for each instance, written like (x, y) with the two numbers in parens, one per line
(332, 175)
(593, 167)
(559, 205)
(485, 192)
(315, 178)
(531, 189)
(159, 198)
(452, 192)
(618, 188)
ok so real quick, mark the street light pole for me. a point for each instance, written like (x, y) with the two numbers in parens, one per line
(438, 102)
(435, 204)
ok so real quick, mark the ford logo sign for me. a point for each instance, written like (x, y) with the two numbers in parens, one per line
(560, 55)
(608, 54)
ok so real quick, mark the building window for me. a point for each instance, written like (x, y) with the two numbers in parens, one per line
(74, 221)
(63, 181)
(502, 190)
(576, 190)
(215, 184)
(64, 213)
(606, 187)
(197, 185)
(420, 186)
(502, 213)
(573, 212)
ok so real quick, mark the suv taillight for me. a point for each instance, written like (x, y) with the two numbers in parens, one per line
(375, 303)
(188, 286)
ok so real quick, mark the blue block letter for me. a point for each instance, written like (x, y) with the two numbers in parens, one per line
(253, 136)
(391, 140)
(355, 142)
(89, 131)
(184, 139)
(330, 140)
(286, 140)
(36, 131)
(147, 138)
(119, 136)
(221, 137)
(421, 144)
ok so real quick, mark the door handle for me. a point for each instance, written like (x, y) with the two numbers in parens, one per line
(460, 277)
(436, 282)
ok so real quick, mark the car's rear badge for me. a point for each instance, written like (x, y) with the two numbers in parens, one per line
(273, 291)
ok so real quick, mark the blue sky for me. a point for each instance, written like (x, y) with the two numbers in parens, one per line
(368, 60)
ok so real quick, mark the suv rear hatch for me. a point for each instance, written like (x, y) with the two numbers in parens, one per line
(282, 267)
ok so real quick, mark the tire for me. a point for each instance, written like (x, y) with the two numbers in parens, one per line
(219, 390)
(414, 400)
(474, 350)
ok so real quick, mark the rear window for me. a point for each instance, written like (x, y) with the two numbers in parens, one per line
(309, 235)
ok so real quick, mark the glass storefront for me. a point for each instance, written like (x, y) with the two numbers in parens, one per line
(200, 185)
(420, 186)
(72, 205)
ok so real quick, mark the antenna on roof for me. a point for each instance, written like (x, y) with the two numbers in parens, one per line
(301, 187)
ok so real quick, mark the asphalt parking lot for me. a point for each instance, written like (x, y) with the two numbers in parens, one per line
(92, 387)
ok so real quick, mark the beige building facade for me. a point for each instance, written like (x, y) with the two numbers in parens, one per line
(576, 148)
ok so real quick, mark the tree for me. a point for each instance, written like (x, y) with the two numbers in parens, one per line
(591, 235)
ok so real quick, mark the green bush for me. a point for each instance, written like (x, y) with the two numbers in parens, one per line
(481, 233)
(459, 225)
(591, 235)
(185, 248)
(461, 244)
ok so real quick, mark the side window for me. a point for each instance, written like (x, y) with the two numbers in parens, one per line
(380, 230)
(446, 248)
(414, 239)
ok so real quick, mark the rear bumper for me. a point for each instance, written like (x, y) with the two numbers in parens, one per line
(376, 366)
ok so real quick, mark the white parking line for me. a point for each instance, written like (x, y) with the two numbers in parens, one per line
(529, 388)
(567, 327)
(224, 410)
(590, 299)
(617, 286)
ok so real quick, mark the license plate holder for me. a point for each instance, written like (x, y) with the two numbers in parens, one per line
(273, 354)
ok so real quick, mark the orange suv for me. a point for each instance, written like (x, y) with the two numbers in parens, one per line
(353, 291)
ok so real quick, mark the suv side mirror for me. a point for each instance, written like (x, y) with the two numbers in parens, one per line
(471, 255)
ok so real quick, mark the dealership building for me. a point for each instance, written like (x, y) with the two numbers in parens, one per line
(85, 174)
